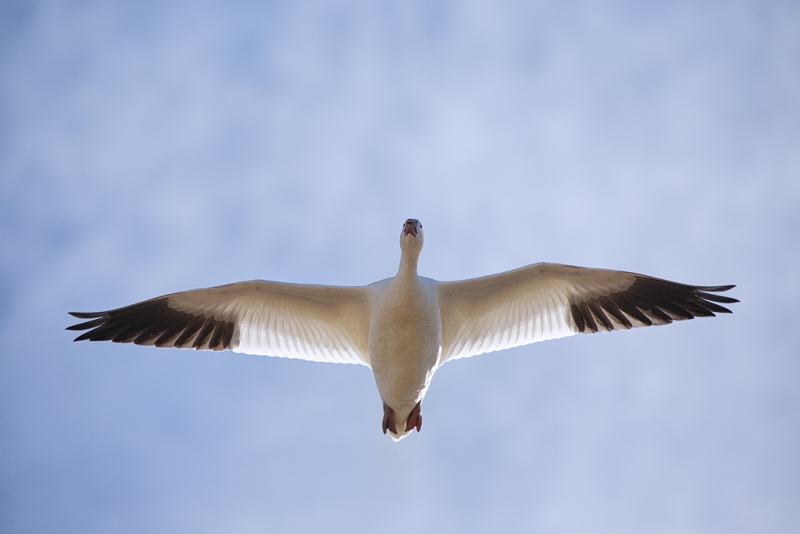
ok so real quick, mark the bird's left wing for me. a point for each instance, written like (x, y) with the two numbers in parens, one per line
(317, 323)
(548, 301)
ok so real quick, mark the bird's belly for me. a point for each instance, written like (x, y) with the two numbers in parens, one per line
(404, 350)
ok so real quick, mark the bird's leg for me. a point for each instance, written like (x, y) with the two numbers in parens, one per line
(415, 418)
(388, 419)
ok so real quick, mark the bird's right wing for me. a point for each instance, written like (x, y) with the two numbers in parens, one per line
(317, 323)
(548, 301)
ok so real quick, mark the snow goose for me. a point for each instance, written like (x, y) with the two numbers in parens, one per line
(406, 327)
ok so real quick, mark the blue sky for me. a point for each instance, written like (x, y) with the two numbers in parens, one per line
(162, 146)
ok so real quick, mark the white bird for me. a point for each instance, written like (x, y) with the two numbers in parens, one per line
(404, 328)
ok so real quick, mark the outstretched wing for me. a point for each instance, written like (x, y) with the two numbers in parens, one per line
(318, 323)
(548, 301)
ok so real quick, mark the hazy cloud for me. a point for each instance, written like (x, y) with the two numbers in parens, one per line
(155, 147)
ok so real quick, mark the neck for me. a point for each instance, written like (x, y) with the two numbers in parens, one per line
(408, 263)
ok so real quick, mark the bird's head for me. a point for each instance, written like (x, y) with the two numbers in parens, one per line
(412, 237)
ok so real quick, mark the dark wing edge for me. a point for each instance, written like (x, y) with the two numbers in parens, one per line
(154, 323)
(648, 301)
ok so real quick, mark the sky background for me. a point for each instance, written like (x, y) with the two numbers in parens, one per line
(152, 147)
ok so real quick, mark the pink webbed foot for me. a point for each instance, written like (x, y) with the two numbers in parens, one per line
(415, 418)
(388, 419)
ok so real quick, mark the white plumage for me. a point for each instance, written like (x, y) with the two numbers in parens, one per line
(407, 326)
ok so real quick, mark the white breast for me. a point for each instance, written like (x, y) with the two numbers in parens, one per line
(405, 338)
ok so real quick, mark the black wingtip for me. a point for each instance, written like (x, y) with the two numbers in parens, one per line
(88, 315)
(86, 325)
(84, 336)
(715, 289)
(709, 293)
(719, 298)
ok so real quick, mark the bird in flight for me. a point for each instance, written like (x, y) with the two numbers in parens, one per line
(404, 328)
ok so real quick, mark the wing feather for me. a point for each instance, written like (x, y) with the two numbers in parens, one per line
(548, 301)
(318, 323)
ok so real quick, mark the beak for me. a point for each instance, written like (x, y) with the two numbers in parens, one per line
(411, 228)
